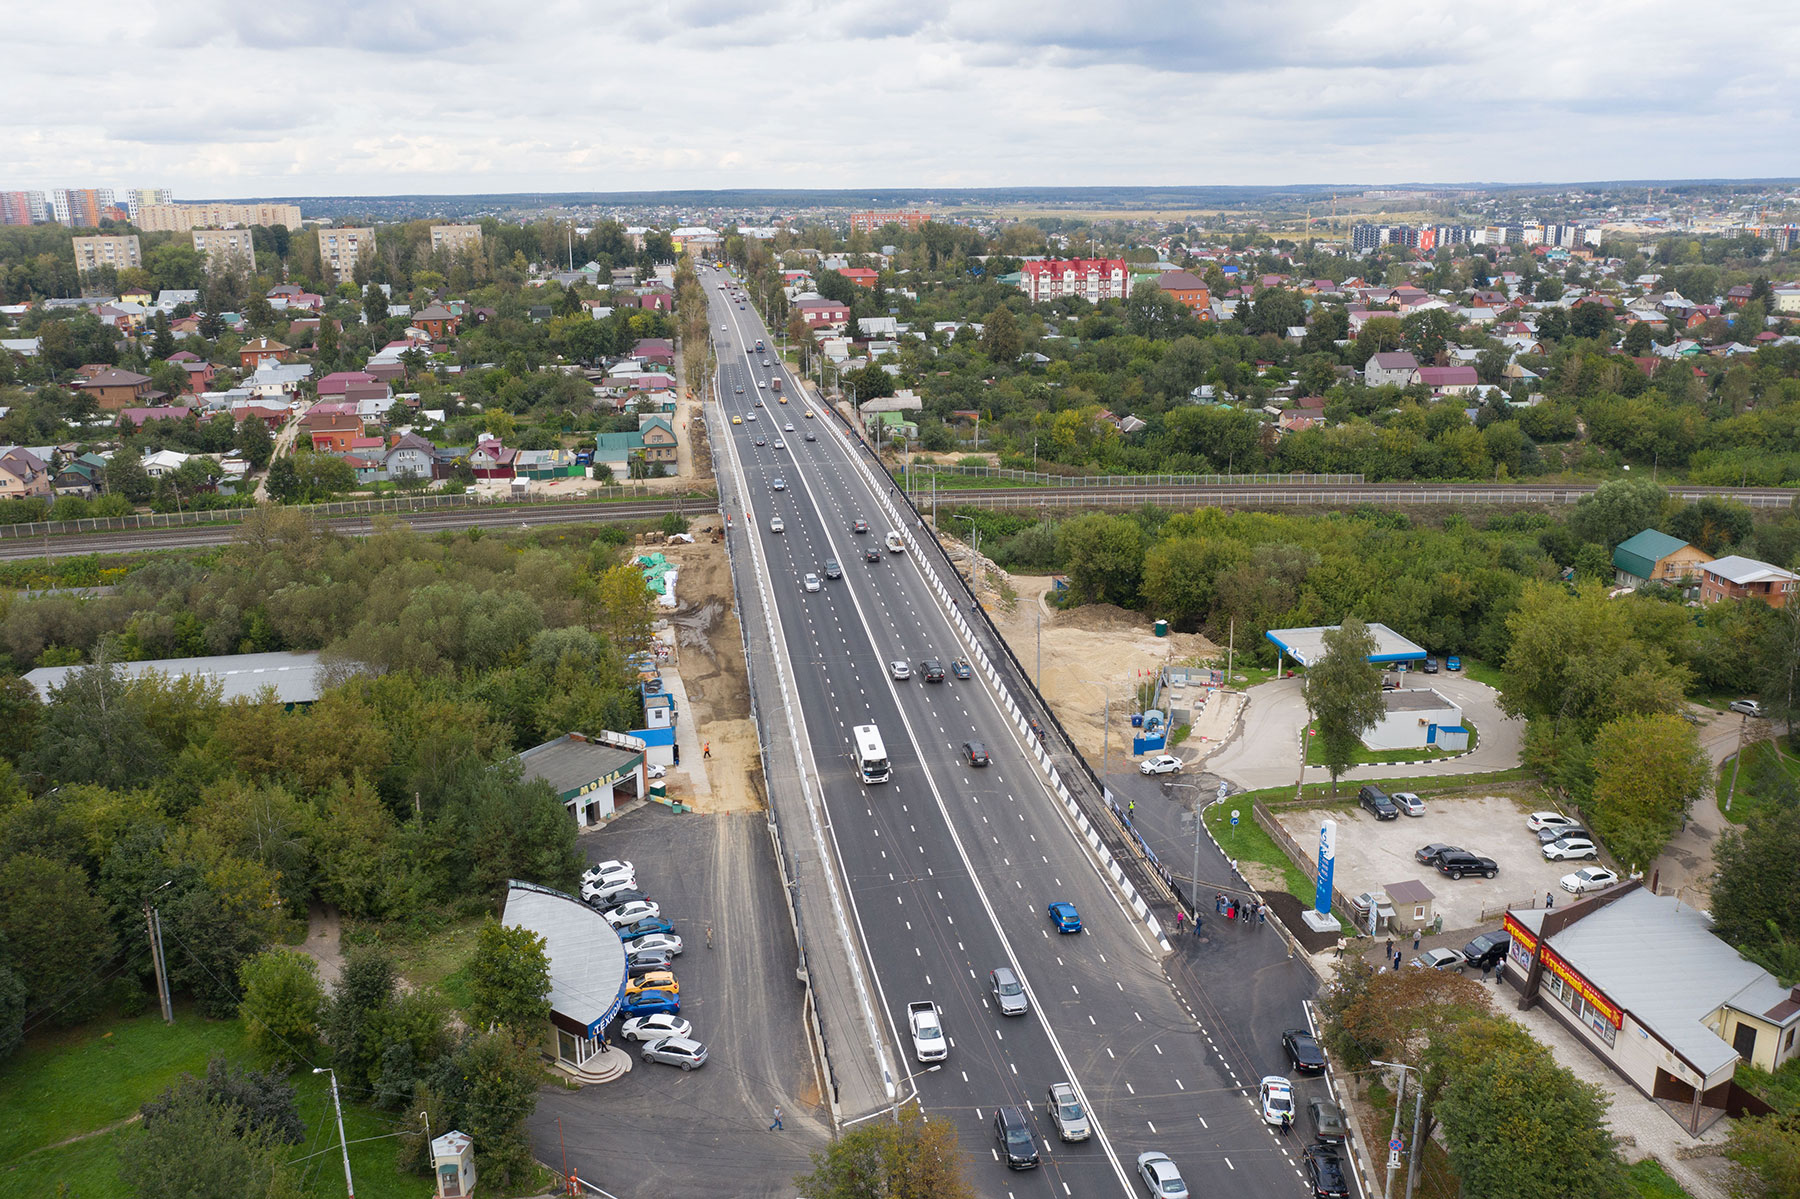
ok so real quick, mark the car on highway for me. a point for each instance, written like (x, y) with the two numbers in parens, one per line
(1160, 764)
(608, 872)
(859, 526)
(960, 668)
(647, 961)
(653, 942)
(1327, 1121)
(750, 416)
(1439, 959)
(1557, 832)
(651, 1028)
(1746, 707)
(765, 362)
(810, 581)
(1013, 1131)
(759, 402)
(1161, 1176)
(1543, 820)
(1008, 993)
(783, 399)
(808, 414)
(631, 913)
(832, 569)
(1066, 1113)
(1376, 802)
(676, 1051)
(1325, 1173)
(1455, 865)
(779, 484)
(740, 391)
(1303, 1050)
(931, 670)
(810, 435)
(1276, 1099)
(760, 440)
(656, 980)
(1589, 878)
(780, 444)
(1408, 803)
(737, 420)
(872, 554)
(650, 1003)
(976, 753)
(644, 928)
(789, 427)
(1427, 855)
(777, 525)
(1569, 848)
(899, 669)
(1064, 916)
(1453, 663)
(929, 1042)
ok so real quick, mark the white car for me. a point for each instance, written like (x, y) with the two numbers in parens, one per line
(1747, 707)
(601, 893)
(609, 872)
(653, 771)
(1161, 1176)
(810, 582)
(929, 1042)
(1542, 820)
(780, 444)
(668, 943)
(899, 669)
(1570, 847)
(649, 1028)
(788, 428)
(777, 525)
(1160, 764)
(1589, 878)
(1277, 1095)
(780, 484)
(750, 416)
(631, 913)
(1440, 959)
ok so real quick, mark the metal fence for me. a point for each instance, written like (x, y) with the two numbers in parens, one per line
(1320, 497)
(1046, 479)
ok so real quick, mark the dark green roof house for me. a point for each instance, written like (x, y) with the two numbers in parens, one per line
(1651, 556)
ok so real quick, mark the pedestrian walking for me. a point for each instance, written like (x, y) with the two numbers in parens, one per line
(1196, 924)
(1287, 1124)
(709, 934)
(1340, 947)
(1262, 914)
(706, 750)
(776, 1127)
(1549, 900)
(1131, 809)
(1389, 952)
(1417, 933)
(1178, 922)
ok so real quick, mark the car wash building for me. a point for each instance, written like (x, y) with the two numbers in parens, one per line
(587, 978)
(592, 775)
(1306, 646)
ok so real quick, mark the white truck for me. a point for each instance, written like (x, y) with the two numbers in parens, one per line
(928, 1040)
(895, 544)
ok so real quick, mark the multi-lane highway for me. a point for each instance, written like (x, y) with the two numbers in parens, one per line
(947, 868)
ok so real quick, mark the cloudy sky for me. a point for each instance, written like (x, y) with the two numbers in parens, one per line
(221, 98)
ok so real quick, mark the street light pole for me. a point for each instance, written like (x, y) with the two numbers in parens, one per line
(349, 1187)
(1387, 1190)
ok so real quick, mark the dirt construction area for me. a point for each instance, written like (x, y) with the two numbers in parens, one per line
(1088, 653)
(1373, 853)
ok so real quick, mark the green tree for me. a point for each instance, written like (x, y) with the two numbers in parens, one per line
(1001, 339)
(1343, 694)
(509, 980)
(1754, 901)
(374, 306)
(1618, 509)
(1637, 339)
(254, 443)
(1712, 523)
(95, 730)
(1592, 321)
(283, 1004)
(915, 1158)
(1180, 576)
(1275, 310)
(125, 475)
(1587, 659)
(56, 935)
(1427, 333)
(196, 1149)
(1103, 556)
(13, 1000)
(1765, 1156)
(488, 1087)
(1648, 769)
(356, 1017)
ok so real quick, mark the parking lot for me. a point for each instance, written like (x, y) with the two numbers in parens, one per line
(1371, 854)
(659, 1130)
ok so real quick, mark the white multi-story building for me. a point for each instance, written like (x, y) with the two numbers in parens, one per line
(341, 249)
(92, 253)
(138, 197)
(1093, 279)
(225, 247)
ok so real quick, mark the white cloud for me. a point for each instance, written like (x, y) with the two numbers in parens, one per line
(218, 98)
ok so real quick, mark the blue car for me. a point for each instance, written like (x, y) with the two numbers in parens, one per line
(960, 668)
(1453, 663)
(1065, 917)
(650, 1003)
(644, 928)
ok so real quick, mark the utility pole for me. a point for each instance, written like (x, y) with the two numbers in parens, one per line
(1393, 1162)
(1418, 1150)
(349, 1187)
(1736, 760)
(160, 964)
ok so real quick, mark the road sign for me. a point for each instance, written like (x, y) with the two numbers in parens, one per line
(1234, 817)
(1396, 1145)
(1223, 788)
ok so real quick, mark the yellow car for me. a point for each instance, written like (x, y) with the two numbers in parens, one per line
(656, 980)
(737, 420)
(783, 399)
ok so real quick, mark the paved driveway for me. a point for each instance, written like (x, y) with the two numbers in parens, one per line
(1266, 751)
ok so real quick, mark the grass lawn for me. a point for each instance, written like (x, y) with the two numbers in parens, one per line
(1248, 843)
(1648, 1180)
(1483, 672)
(1784, 752)
(1518, 782)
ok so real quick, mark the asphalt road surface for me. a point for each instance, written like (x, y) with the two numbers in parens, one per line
(949, 867)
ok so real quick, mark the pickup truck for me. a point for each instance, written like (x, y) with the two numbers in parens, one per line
(928, 1040)
(895, 544)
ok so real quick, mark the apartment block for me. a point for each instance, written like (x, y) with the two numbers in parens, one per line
(453, 239)
(1093, 279)
(138, 198)
(180, 218)
(341, 249)
(868, 222)
(82, 207)
(226, 247)
(92, 253)
(23, 208)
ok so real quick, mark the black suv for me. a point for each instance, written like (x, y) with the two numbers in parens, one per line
(931, 670)
(832, 569)
(1325, 1173)
(1488, 950)
(1458, 864)
(1016, 1142)
(1377, 802)
(976, 753)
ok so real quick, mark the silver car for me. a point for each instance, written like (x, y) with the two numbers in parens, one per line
(1065, 1112)
(1161, 1176)
(676, 1051)
(1409, 803)
(1008, 993)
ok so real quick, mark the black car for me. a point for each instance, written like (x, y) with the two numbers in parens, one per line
(1488, 950)
(1431, 666)
(1552, 834)
(1013, 1132)
(1427, 855)
(1377, 802)
(931, 670)
(832, 569)
(646, 961)
(871, 555)
(617, 899)
(976, 752)
(1303, 1050)
(1327, 1121)
(1455, 865)
(1325, 1173)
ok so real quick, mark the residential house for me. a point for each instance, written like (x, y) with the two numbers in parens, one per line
(1654, 556)
(656, 299)
(409, 457)
(659, 350)
(262, 350)
(436, 320)
(1093, 279)
(270, 415)
(23, 475)
(1735, 577)
(83, 476)
(823, 313)
(658, 438)
(862, 276)
(332, 385)
(1447, 380)
(277, 379)
(331, 428)
(171, 298)
(491, 460)
(139, 417)
(199, 372)
(616, 450)
(1187, 289)
(114, 389)
(1395, 368)
(164, 462)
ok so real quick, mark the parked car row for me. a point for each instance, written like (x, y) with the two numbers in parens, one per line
(1383, 806)
(651, 1005)
(1563, 839)
(1453, 861)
